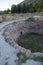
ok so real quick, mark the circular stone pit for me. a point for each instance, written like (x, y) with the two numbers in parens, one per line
(24, 28)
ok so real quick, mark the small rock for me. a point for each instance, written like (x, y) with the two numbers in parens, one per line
(28, 53)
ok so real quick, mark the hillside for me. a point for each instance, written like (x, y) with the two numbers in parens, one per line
(28, 1)
(32, 2)
(37, 5)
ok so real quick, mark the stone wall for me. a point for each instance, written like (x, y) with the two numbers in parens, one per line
(14, 30)
(36, 27)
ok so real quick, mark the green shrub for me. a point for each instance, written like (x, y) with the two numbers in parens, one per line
(22, 58)
(31, 19)
(37, 58)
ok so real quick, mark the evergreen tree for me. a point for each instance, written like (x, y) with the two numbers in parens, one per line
(8, 11)
(24, 8)
(18, 8)
(13, 9)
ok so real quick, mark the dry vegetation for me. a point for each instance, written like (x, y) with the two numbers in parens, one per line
(7, 17)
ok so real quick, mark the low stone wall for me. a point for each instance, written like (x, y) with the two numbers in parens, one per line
(12, 32)
(36, 27)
